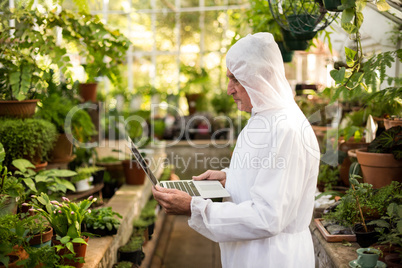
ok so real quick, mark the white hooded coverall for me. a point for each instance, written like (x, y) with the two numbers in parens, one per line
(272, 174)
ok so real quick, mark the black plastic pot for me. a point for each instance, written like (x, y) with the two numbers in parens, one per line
(109, 188)
(287, 55)
(363, 238)
(98, 177)
(332, 5)
(151, 229)
(102, 232)
(135, 257)
(293, 43)
(302, 26)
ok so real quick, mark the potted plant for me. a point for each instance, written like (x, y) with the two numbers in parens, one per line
(113, 166)
(65, 218)
(132, 251)
(52, 181)
(328, 177)
(361, 204)
(31, 139)
(13, 239)
(392, 122)
(102, 49)
(352, 137)
(124, 264)
(110, 185)
(390, 229)
(10, 188)
(25, 70)
(102, 221)
(40, 232)
(84, 177)
(195, 87)
(56, 109)
(381, 163)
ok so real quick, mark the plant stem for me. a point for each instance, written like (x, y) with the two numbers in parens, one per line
(360, 210)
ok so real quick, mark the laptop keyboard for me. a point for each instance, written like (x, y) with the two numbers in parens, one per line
(187, 187)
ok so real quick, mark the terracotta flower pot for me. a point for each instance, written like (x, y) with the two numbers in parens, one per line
(392, 123)
(345, 166)
(393, 260)
(19, 109)
(63, 150)
(79, 249)
(43, 239)
(115, 169)
(379, 169)
(18, 254)
(88, 91)
(133, 172)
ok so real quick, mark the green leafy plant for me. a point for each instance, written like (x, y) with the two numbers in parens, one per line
(134, 244)
(45, 256)
(123, 264)
(362, 202)
(32, 139)
(389, 141)
(45, 181)
(390, 225)
(328, 175)
(351, 21)
(12, 233)
(85, 172)
(24, 70)
(35, 224)
(102, 48)
(9, 185)
(65, 217)
(56, 108)
(102, 218)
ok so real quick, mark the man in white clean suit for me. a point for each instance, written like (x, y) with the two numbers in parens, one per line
(272, 174)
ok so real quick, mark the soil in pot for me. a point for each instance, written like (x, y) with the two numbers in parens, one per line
(363, 238)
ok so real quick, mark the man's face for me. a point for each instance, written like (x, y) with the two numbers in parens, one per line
(239, 93)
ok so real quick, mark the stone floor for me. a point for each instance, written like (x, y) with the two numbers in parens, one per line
(179, 246)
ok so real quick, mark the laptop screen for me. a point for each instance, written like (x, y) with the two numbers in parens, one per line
(142, 162)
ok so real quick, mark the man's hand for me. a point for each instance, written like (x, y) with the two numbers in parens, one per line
(212, 175)
(173, 201)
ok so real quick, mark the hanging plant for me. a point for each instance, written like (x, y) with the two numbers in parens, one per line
(355, 75)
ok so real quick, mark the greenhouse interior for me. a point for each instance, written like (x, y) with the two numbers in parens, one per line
(135, 112)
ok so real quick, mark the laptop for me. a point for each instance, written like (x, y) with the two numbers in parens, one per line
(204, 188)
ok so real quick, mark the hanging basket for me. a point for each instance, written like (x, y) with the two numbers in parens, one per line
(302, 26)
(292, 43)
(301, 17)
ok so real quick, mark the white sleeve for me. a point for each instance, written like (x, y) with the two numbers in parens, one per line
(278, 198)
